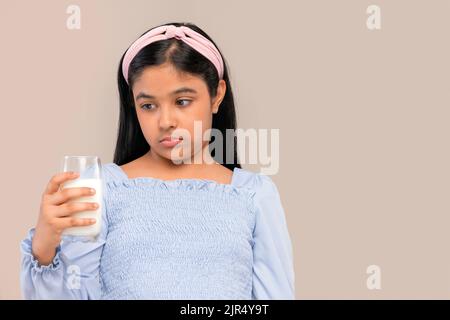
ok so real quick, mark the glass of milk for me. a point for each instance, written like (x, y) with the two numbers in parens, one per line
(90, 175)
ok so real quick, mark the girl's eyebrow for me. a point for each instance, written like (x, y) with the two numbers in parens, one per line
(143, 95)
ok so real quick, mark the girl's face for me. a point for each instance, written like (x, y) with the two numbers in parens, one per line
(167, 100)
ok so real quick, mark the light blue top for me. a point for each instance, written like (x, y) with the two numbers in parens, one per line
(177, 239)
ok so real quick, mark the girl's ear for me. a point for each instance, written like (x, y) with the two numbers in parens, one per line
(221, 88)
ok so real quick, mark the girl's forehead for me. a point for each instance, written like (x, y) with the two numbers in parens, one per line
(167, 72)
(163, 80)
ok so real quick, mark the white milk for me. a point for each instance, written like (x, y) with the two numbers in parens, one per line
(90, 230)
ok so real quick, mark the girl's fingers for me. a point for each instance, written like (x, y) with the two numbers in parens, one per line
(70, 208)
(67, 194)
(76, 222)
(56, 181)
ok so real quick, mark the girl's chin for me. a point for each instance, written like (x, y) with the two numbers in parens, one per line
(174, 156)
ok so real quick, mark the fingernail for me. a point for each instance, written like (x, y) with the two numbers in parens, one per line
(92, 191)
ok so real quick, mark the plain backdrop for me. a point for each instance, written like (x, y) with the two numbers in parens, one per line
(363, 119)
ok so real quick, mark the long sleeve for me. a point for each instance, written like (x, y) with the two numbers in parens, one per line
(273, 269)
(73, 273)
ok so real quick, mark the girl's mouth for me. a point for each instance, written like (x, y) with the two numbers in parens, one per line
(169, 142)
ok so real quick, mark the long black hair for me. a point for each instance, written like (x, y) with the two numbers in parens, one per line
(131, 143)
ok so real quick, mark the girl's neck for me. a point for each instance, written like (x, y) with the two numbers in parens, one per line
(150, 166)
(201, 161)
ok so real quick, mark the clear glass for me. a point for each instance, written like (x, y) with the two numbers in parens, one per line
(90, 170)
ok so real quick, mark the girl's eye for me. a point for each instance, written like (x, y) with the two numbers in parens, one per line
(146, 106)
(184, 100)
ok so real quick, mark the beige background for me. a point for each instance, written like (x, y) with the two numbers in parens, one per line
(363, 118)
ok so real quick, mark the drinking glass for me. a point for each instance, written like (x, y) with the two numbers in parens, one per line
(90, 175)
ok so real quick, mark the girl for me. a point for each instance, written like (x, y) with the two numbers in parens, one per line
(176, 225)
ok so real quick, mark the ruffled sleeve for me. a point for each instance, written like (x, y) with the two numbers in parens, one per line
(74, 271)
(273, 269)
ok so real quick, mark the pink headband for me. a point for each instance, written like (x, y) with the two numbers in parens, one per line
(187, 35)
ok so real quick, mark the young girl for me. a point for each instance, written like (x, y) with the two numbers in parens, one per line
(195, 229)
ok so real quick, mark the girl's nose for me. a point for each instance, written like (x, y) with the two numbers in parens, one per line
(167, 118)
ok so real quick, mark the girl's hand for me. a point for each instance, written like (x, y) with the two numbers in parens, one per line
(56, 215)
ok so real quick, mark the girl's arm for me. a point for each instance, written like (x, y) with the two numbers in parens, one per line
(73, 273)
(273, 269)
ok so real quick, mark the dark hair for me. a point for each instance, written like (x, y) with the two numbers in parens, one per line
(131, 143)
